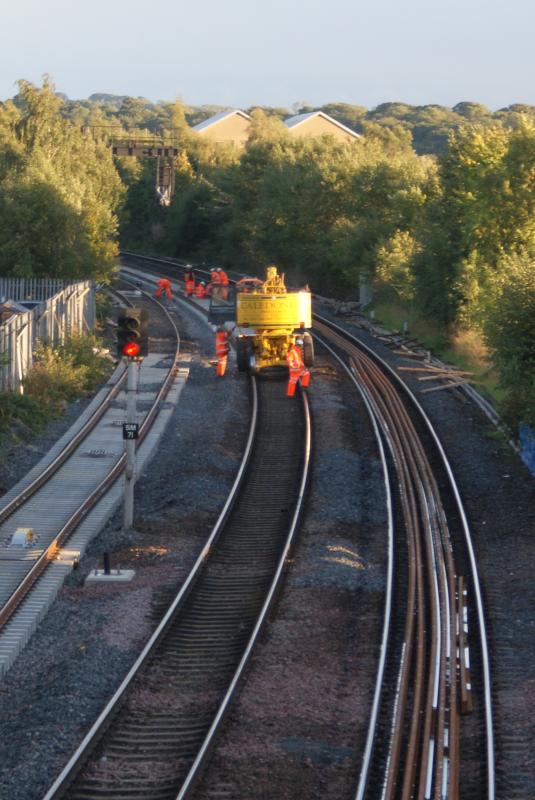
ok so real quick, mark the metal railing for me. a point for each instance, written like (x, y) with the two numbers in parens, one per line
(61, 310)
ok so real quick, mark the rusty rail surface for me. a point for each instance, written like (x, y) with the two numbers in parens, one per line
(434, 685)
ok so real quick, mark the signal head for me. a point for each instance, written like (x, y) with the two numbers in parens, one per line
(131, 349)
(132, 332)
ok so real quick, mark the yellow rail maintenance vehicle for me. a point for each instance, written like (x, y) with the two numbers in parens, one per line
(270, 318)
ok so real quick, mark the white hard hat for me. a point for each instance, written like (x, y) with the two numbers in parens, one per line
(203, 283)
(219, 269)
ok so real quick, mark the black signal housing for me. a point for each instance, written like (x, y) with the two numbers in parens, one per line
(133, 328)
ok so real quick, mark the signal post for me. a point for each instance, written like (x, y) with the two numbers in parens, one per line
(132, 344)
(130, 431)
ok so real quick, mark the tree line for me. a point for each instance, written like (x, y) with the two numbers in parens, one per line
(428, 126)
(451, 234)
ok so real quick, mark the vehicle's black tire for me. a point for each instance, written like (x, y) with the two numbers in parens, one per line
(308, 350)
(243, 351)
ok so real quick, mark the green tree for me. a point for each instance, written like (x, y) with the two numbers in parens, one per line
(54, 178)
(510, 333)
(471, 111)
(489, 191)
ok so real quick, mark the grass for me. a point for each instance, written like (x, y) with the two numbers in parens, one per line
(463, 349)
(21, 412)
(59, 375)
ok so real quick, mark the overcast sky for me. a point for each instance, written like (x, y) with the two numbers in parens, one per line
(245, 52)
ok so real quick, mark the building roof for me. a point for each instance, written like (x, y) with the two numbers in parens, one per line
(292, 122)
(218, 118)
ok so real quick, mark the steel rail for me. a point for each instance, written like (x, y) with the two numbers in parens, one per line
(488, 715)
(364, 775)
(194, 773)
(430, 505)
(411, 670)
(433, 710)
(67, 775)
(61, 785)
(67, 451)
(444, 699)
(396, 423)
(50, 552)
(441, 582)
(59, 460)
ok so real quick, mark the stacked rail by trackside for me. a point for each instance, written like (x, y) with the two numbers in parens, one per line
(423, 755)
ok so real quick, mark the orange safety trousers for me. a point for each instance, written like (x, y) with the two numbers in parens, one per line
(222, 348)
(297, 369)
(296, 374)
(164, 286)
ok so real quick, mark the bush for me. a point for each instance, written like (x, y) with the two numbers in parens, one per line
(22, 413)
(510, 332)
(85, 352)
(64, 373)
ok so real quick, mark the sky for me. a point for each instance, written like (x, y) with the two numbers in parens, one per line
(240, 53)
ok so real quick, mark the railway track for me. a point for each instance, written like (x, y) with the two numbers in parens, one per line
(152, 739)
(57, 498)
(423, 681)
(428, 687)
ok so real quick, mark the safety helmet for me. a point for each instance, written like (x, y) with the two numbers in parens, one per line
(219, 269)
(203, 283)
(212, 269)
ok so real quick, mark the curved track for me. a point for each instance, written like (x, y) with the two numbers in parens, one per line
(432, 684)
(58, 498)
(154, 736)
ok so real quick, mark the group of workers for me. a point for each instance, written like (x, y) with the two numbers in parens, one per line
(219, 281)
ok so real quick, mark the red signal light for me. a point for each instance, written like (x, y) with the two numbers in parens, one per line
(131, 349)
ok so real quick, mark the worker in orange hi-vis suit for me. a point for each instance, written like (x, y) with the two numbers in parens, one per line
(215, 283)
(224, 282)
(164, 285)
(222, 349)
(297, 368)
(189, 280)
(200, 290)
